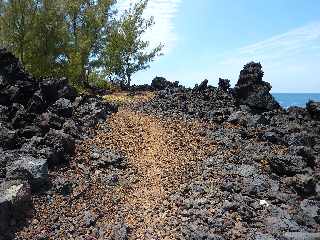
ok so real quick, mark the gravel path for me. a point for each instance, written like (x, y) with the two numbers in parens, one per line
(128, 198)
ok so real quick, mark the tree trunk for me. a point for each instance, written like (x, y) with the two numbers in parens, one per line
(128, 79)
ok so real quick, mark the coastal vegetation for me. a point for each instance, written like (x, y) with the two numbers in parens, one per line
(86, 41)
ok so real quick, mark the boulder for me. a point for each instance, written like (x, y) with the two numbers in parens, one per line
(71, 128)
(90, 110)
(201, 87)
(33, 170)
(49, 120)
(314, 109)
(67, 92)
(160, 83)
(11, 68)
(15, 200)
(224, 84)
(37, 103)
(50, 88)
(252, 91)
(60, 147)
(62, 107)
(22, 118)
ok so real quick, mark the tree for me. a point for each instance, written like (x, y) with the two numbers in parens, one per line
(126, 52)
(87, 22)
(16, 20)
(76, 38)
(61, 37)
(49, 40)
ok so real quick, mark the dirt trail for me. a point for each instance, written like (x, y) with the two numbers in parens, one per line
(163, 153)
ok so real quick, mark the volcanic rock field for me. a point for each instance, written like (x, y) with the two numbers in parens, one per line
(157, 161)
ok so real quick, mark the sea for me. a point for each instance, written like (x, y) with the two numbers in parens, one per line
(287, 100)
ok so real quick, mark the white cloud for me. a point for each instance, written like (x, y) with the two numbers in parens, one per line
(281, 46)
(289, 59)
(164, 12)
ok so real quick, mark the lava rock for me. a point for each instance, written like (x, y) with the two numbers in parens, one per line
(37, 103)
(287, 165)
(29, 131)
(23, 118)
(49, 120)
(28, 168)
(304, 185)
(311, 208)
(11, 68)
(7, 138)
(252, 91)
(50, 88)
(90, 110)
(107, 159)
(15, 200)
(271, 137)
(202, 86)
(120, 231)
(67, 92)
(314, 109)
(61, 146)
(160, 83)
(62, 107)
(301, 236)
(306, 153)
(224, 84)
(71, 128)
(62, 186)
(4, 111)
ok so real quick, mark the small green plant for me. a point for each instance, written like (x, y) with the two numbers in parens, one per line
(96, 80)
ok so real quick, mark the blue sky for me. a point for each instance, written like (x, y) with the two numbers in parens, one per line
(215, 38)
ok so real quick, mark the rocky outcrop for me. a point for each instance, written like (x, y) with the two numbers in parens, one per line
(40, 120)
(314, 109)
(250, 90)
(224, 84)
(160, 83)
(202, 86)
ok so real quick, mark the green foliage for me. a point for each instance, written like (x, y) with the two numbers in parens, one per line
(126, 52)
(77, 38)
(16, 19)
(98, 81)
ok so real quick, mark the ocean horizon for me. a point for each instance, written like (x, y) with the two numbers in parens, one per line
(287, 100)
